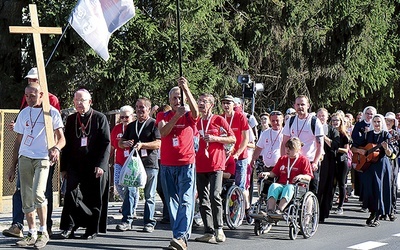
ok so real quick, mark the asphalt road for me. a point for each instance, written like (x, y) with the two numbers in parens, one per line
(347, 231)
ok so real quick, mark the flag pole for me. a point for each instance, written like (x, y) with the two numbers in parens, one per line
(178, 24)
(58, 43)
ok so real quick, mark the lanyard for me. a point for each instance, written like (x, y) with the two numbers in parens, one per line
(33, 124)
(289, 168)
(297, 125)
(208, 124)
(140, 131)
(270, 136)
(230, 123)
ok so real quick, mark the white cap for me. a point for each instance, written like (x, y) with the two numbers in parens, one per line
(32, 74)
(290, 111)
(237, 100)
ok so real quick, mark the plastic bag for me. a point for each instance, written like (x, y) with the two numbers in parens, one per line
(133, 173)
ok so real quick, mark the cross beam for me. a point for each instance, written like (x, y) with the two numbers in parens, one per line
(36, 31)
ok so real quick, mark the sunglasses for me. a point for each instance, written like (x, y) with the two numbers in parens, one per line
(275, 113)
(124, 117)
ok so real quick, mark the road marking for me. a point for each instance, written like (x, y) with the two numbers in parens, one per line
(396, 235)
(368, 245)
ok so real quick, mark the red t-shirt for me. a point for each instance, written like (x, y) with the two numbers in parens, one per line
(52, 99)
(301, 166)
(230, 166)
(216, 152)
(238, 125)
(177, 147)
(116, 135)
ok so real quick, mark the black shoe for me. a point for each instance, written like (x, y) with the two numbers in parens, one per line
(89, 236)
(65, 234)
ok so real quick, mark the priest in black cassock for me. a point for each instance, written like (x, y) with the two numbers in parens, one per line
(84, 164)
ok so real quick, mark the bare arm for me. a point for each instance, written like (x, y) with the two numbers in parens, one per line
(320, 147)
(166, 127)
(149, 145)
(183, 83)
(243, 144)
(256, 154)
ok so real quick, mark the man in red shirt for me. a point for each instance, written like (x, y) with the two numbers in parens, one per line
(210, 163)
(238, 123)
(177, 162)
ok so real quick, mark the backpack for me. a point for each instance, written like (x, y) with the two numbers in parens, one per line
(313, 121)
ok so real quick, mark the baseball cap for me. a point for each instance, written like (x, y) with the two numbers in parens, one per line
(228, 98)
(290, 111)
(32, 74)
(237, 100)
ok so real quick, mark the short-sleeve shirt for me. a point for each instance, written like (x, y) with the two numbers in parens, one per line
(30, 123)
(301, 128)
(116, 134)
(53, 100)
(148, 133)
(238, 124)
(215, 160)
(177, 148)
(301, 166)
(270, 142)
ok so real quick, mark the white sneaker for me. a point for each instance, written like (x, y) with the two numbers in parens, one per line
(220, 235)
(28, 240)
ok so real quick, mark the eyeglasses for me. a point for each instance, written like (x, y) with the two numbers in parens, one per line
(335, 120)
(264, 119)
(124, 117)
(275, 113)
(81, 100)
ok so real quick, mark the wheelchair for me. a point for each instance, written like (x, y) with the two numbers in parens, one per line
(233, 203)
(301, 214)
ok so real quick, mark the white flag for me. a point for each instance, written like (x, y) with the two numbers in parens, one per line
(96, 20)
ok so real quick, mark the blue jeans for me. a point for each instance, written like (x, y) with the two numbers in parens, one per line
(149, 196)
(241, 173)
(178, 183)
(129, 205)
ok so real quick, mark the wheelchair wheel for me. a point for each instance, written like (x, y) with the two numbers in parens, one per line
(293, 231)
(234, 207)
(309, 215)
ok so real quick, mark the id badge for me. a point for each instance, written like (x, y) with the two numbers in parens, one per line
(126, 153)
(143, 152)
(84, 142)
(175, 142)
(269, 155)
(28, 140)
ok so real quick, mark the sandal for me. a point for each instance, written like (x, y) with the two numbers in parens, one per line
(375, 223)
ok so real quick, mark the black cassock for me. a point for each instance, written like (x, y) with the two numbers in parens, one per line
(79, 158)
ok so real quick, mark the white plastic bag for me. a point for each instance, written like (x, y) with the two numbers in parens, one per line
(133, 173)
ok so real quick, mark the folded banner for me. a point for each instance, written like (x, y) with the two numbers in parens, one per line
(96, 20)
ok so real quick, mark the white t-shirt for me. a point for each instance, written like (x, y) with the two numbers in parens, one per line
(270, 141)
(301, 128)
(30, 123)
(252, 120)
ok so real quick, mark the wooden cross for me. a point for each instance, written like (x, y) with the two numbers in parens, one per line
(36, 30)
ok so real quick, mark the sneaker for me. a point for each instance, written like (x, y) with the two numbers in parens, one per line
(148, 228)
(28, 240)
(42, 239)
(220, 235)
(178, 244)
(339, 211)
(207, 238)
(13, 231)
(364, 210)
(125, 226)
